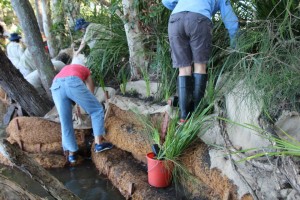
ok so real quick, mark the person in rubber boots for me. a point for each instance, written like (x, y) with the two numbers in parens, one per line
(190, 36)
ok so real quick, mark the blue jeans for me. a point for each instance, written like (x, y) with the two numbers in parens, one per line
(72, 88)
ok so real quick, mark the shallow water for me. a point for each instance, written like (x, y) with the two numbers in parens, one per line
(85, 181)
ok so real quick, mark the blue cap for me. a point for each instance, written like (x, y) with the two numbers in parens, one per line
(80, 23)
(14, 36)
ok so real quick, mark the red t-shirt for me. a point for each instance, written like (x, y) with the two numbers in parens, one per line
(74, 70)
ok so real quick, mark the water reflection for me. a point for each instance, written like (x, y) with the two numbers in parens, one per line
(84, 181)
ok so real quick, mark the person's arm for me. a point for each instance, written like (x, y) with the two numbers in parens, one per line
(82, 45)
(90, 84)
(86, 38)
(230, 19)
(170, 4)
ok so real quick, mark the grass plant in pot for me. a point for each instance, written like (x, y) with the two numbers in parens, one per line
(163, 162)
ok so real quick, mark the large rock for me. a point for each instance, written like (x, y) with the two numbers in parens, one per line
(264, 178)
(242, 109)
(142, 88)
(288, 123)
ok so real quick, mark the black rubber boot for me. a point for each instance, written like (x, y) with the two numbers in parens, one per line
(174, 101)
(200, 81)
(184, 95)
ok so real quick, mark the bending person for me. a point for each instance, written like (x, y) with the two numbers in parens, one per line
(15, 52)
(92, 33)
(69, 86)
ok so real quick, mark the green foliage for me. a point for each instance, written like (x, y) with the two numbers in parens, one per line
(273, 9)
(124, 76)
(210, 89)
(161, 64)
(6, 12)
(179, 138)
(270, 70)
(245, 10)
(154, 18)
(147, 81)
(266, 58)
(108, 57)
(4, 2)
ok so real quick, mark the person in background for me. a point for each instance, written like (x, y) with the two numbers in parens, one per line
(74, 84)
(190, 36)
(15, 51)
(92, 33)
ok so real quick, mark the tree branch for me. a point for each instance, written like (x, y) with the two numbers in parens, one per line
(29, 166)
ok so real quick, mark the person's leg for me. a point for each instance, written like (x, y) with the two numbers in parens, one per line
(181, 58)
(201, 45)
(200, 80)
(64, 108)
(200, 68)
(184, 91)
(84, 98)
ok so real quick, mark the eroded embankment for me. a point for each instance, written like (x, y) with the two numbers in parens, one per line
(125, 165)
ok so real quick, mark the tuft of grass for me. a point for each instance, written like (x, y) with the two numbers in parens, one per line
(109, 56)
(124, 77)
(267, 61)
(179, 138)
(147, 81)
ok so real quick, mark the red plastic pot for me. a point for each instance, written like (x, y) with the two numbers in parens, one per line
(159, 171)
